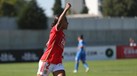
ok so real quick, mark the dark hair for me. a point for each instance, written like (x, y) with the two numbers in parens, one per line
(81, 36)
(55, 21)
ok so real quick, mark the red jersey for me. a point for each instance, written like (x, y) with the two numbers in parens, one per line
(55, 47)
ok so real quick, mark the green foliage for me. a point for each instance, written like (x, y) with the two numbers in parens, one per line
(116, 8)
(8, 9)
(20, 4)
(84, 10)
(11, 7)
(57, 9)
(32, 17)
(29, 15)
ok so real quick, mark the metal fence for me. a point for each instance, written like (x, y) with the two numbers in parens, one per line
(96, 31)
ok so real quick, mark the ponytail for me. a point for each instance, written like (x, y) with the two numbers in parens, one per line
(55, 21)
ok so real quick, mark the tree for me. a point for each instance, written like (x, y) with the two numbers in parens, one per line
(8, 9)
(85, 8)
(20, 5)
(57, 9)
(11, 7)
(115, 8)
(32, 17)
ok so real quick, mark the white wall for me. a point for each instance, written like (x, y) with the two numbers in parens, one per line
(77, 5)
(93, 7)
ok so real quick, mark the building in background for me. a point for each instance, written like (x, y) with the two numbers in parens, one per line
(77, 6)
(93, 6)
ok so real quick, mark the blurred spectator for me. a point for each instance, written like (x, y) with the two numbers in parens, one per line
(132, 42)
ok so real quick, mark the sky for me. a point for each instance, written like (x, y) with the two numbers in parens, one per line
(47, 6)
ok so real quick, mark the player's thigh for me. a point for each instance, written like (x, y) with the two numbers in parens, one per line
(83, 59)
(59, 73)
(77, 57)
(58, 70)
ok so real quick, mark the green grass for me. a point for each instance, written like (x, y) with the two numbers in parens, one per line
(126, 67)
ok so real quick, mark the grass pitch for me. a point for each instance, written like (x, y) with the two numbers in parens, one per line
(126, 67)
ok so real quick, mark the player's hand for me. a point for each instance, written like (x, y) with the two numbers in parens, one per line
(68, 5)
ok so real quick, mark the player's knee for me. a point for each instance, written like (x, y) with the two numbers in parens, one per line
(39, 75)
(76, 61)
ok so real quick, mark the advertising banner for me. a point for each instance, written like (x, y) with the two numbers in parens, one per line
(92, 53)
(126, 52)
(20, 55)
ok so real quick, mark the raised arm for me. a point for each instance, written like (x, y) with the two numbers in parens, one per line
(67, 7)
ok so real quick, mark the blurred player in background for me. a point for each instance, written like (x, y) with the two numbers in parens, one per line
(51, 60)
(80, 55)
